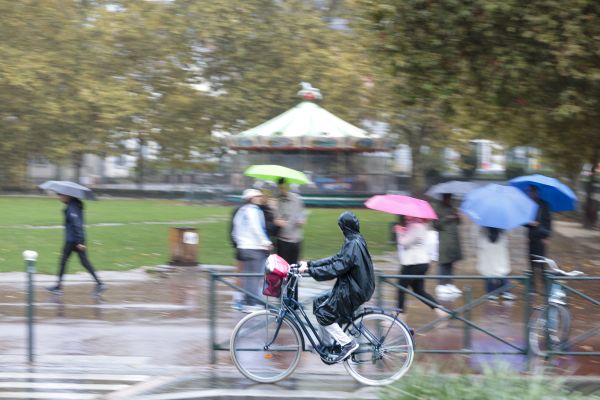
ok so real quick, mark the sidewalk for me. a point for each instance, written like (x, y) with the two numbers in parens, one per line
(155, 326)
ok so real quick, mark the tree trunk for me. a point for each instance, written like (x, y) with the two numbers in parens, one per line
(140, 164)
(417, 181)
(77, 164)
(590, 211)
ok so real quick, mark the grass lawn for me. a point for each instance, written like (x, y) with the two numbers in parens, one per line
(125, 234)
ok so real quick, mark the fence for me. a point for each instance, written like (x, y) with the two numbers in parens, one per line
(462, 314)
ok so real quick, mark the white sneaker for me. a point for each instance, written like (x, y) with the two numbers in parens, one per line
(509, 296)
(442, 290)
(453, 289)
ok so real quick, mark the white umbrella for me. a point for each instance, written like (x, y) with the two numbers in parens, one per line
(69, 188)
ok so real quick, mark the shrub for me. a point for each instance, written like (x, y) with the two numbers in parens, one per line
(496, 384)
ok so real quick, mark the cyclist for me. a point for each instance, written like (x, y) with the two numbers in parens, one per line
(355, 285)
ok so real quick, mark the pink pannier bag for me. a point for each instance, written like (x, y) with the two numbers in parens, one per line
(276, 270)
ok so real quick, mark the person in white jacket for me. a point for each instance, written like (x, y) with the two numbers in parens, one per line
(414, 257)
(253, 244)
(493, 260)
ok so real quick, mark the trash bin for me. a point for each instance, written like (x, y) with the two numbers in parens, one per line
(183, 244)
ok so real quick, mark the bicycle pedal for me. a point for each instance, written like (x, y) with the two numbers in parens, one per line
(329, 360)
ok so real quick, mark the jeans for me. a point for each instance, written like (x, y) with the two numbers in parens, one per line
(445, 269)
(417, 284)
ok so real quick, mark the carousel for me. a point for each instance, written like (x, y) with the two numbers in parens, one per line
(336, 155)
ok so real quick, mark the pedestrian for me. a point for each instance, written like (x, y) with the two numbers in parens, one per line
(253, 245)
(74, 242)
(449, 244)
(414, 256)
(290, 218)
(538, 232)
(353, 270)
(493, 260)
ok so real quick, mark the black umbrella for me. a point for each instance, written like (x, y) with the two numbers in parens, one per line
(69, 188)
(456, 188)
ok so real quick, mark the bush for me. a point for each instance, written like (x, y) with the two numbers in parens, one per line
(493, 384)
(513, 170)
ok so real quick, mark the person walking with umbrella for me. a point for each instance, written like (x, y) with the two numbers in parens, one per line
(71, 194)
(414, 258)
(551, 195)
(496, 209)
(539, 230)
(449, 244)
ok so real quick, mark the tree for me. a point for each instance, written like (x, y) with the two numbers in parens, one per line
(419, 71)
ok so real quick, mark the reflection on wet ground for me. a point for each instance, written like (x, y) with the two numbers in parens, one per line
(162, 319)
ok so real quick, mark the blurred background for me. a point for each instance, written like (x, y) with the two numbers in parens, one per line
(158, 95)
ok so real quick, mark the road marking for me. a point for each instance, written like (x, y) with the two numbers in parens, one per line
(49, 396)
(61, 386)
(55, 376)
(65, 386)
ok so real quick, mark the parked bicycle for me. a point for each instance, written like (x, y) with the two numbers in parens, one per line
(266, 345)
(550, 324)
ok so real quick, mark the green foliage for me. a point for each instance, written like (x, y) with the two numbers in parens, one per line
(515, 169)
(497, 384)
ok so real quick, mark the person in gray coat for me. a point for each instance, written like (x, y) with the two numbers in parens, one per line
(450, 251)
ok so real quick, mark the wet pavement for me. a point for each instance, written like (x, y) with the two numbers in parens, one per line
(152, 324)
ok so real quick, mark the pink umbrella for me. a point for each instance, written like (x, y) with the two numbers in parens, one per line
(402, 205)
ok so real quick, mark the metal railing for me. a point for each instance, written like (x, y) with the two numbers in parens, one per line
(564, 282)
(462, 314)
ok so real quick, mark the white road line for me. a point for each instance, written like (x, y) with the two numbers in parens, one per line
(61, 386)
(95, 377)
(48, 396)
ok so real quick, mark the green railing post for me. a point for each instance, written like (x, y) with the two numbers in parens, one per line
(467, 328)
(212, 318)
(527, 316)
(379, 289)
(30, 257)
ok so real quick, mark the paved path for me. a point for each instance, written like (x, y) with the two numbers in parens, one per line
(154, 326)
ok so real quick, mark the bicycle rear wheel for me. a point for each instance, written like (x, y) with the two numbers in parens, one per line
(386, 349)
(549, 328)
(259, 354)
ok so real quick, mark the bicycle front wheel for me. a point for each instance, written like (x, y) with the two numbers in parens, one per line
(386, 349)
(549, 328)
(263, 349)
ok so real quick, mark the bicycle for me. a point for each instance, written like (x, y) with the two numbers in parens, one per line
(266, 345)
(550, 324)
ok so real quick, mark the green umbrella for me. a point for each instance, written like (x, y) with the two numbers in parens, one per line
(274, 172)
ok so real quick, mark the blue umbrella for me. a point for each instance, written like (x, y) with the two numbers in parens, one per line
(497, 206)
(558, 195)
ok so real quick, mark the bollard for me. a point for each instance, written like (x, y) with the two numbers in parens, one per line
(467, 328)
(30, 257)
(213, 315)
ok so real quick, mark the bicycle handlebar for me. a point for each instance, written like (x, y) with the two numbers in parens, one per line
(554, 267)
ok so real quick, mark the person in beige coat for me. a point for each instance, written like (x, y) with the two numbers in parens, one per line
(414, 257)
(493, 260)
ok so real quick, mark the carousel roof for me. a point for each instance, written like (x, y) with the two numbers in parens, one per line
(306, 126)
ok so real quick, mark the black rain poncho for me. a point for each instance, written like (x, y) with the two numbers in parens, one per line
(353, 268)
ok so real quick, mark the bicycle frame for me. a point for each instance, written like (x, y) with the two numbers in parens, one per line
(289, 306)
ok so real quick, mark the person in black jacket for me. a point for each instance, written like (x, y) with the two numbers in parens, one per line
(355, 284)
(538, 232)
(74, 242)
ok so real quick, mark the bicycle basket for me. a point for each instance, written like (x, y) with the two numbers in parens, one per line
(276, 270)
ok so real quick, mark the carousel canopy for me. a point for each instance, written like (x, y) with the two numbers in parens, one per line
(307, 126)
